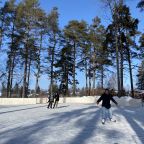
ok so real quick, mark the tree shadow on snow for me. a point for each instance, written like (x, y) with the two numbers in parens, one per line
(22, 109)
(34, 132)
(62, 106)
(135, 118)
(89, 126)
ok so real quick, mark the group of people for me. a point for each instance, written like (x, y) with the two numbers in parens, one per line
(53, 101)
(106, 97)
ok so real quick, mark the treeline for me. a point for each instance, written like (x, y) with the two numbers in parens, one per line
(32, 44)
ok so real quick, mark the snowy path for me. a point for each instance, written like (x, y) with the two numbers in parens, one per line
(69, 124)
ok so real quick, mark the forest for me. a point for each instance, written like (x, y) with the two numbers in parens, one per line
(32, 44)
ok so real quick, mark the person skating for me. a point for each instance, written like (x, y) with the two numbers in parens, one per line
(56, 100)
(50, 102)
(106, 97)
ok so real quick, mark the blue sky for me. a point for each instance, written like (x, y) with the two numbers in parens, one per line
(86, 10)
(73, 9)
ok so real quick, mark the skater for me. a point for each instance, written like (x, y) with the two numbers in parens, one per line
(106, 111)
(48, 97)
(56, 99)
(50, 102)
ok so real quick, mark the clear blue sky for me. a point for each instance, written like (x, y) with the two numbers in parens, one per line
(85, 9)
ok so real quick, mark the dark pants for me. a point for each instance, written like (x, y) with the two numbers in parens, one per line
(55, 103)
(50, 104)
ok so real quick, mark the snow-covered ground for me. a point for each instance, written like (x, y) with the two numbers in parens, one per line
(70, 124)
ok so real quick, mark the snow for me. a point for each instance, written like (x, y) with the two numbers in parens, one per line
(127, 101)
(70, 124)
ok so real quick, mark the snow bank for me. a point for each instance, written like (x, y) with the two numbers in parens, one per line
(123, 101)
(128, 101)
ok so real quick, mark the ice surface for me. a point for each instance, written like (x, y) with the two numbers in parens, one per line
(70, 124)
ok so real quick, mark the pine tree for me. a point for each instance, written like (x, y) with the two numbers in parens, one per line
(126, 29)
(100, 54)
(73, 32)
(13, 43)
(64, 67)
(53, 33)
(141, 4)
(41, 32)
(27, 11)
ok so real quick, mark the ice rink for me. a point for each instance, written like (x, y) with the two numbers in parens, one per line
(70, 124)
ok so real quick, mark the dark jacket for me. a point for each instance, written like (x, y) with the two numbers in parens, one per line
(106, 100)
(56, 97)
(51, 99)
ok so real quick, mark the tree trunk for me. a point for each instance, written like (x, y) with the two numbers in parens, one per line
(11, 65)
(89, 86)
(86, 77)
(66, 81)
(9, 77)
(74, 85)
(52, 65)
(121, 82)
(12, 71)
(1, 34)
(130, 70)
(117, 61)
(89, 82)
(102, 76)
(28, 77)
(94, 77)
(121, 60)
(38, 67)
(0, 41)
(25, 72)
